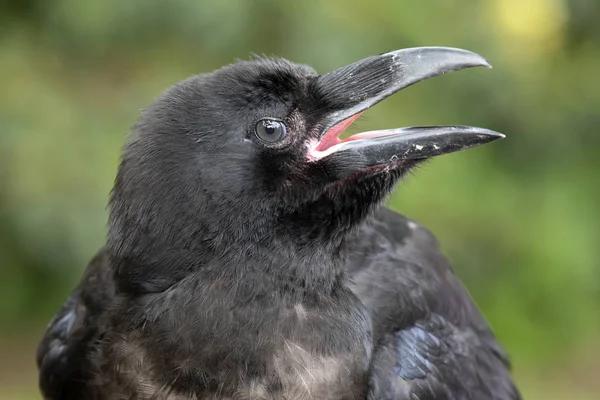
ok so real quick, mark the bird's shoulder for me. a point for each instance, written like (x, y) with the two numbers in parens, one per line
(432, 341)
(64, 352)
(436, 359)
(397, 268)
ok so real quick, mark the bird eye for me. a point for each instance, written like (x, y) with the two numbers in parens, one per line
(269, 130)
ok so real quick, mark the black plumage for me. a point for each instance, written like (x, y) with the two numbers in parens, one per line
(249, 257)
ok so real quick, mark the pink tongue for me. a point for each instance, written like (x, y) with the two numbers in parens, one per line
(331, 137)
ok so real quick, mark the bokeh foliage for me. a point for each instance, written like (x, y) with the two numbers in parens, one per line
(518, 218)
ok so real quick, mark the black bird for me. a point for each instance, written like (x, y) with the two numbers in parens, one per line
(249, 256)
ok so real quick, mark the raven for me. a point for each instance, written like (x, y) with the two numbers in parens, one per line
(249, 255)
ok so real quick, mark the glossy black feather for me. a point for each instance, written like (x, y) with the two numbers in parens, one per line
(433, 343)
(64, 355)
(239, 270)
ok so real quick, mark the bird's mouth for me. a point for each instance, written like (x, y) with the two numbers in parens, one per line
(352, 89)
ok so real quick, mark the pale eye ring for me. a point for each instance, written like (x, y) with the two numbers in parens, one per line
(270, 130)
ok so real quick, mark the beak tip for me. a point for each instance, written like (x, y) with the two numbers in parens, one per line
(493, 135)
(481, 61)
(471, 59)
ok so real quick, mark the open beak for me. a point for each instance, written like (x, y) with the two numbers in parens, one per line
(346, 92)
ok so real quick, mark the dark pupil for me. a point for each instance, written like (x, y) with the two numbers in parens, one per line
(270, 128)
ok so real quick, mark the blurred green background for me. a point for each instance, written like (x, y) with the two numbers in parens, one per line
(519, 218)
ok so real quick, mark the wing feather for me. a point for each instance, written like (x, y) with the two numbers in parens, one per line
(63, 355)
(431, 340)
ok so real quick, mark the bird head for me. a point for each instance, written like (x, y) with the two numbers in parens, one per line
(250, 156)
